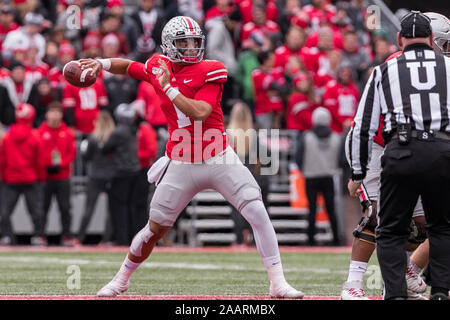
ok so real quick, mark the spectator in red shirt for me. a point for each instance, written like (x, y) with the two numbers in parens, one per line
(91, 46)
(301, 103)
(329, 65)
(128, 26)
(66, 54)
(81, 105)
(319, 11)
(35, 68)
(329, 34)
(7, 23)
(110, 23)
(260, 23)
(15, 89)
(266, 87)
(286, 17)
(314, 57)
(295, 39)
(147, 147)
(22, 172)
(341, 99)
(153, 113)
(58, 154)
(222, 9)
(45, 97)
(246, 9)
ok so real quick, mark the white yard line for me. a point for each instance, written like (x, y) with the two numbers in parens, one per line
(173, 265)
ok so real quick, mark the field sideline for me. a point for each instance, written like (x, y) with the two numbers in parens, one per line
(57, 273)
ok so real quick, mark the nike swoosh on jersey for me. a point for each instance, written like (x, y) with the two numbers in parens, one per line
(186, 81)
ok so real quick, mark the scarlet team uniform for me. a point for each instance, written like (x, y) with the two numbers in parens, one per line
(56, 78)
(268, 28)
(318, 16)
(37, 71)
(264, 103)
(153, 113)
(87, 103)
(342, 101)
(179, 176)
(58, 143)
(246, 7)
(299, 112)
(197, 81)
(282, 55)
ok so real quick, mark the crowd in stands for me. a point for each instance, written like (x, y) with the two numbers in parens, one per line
(285, 59)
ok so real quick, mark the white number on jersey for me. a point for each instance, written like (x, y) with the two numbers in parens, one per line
(183, 120)
(346, 105)
(88, 99)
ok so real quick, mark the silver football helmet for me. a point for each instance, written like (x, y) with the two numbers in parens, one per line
(440, 25)
(181, 36)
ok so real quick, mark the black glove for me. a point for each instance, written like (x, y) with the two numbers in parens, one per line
(53, 169)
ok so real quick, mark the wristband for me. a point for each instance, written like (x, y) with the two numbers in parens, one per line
(172, 93)
(106, 63)
(167, 86)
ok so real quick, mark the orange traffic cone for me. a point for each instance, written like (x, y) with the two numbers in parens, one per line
(297, 191)
(322, 215)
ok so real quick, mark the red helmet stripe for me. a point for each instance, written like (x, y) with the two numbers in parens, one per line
(191, 27)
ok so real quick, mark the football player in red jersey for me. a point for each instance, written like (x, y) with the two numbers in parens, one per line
(190, 90)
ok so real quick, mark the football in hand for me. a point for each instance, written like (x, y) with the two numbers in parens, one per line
(75, 76)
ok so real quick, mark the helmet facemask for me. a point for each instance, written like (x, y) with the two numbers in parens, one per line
(443, 45)
(189, 49)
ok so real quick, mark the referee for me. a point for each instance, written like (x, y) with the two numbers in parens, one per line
(412, 93)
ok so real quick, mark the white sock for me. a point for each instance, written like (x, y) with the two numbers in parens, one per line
(126, 269)
(265, 237)
(416, 267)
(276, 275)
(356, 271)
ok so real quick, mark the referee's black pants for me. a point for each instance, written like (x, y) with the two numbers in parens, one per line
(419, 168)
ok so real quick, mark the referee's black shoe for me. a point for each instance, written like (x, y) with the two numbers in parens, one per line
(439, 296)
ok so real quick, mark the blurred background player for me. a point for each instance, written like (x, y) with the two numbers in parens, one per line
(195, 103)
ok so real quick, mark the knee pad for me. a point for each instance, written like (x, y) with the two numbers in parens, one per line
(141, 237)
(418, 232)
(365, 231)
(248, 194)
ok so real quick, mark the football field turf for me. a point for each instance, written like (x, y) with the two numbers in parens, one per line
(174, 272)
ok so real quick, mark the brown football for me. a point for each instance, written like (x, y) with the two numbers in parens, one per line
(75, 76)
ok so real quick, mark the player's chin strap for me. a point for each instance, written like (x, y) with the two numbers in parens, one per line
(365, 230)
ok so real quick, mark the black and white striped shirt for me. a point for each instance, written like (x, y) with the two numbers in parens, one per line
(416, 84)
